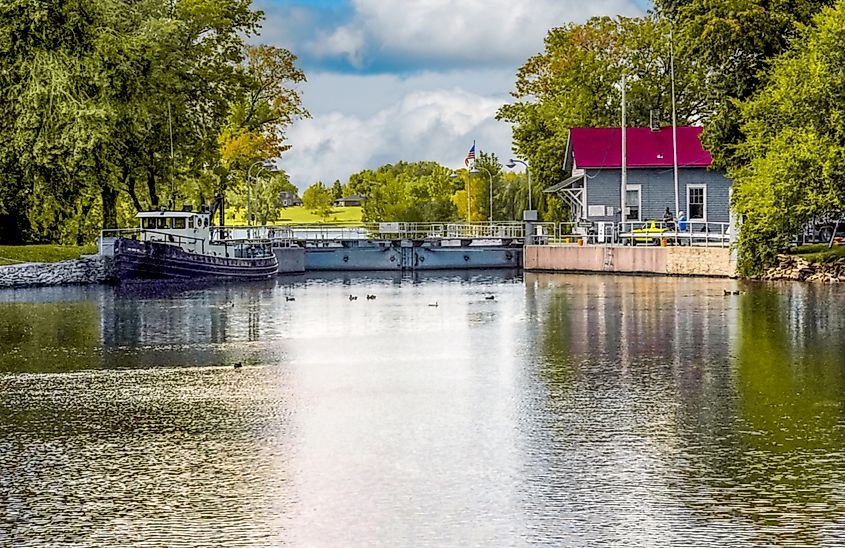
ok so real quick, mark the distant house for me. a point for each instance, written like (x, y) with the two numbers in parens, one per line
(348, 201)
(288, 199)
(593, 192)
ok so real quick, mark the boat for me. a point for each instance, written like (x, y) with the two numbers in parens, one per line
(183, 245)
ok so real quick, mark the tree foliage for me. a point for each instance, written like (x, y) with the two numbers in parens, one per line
(318, 198)
(411, 192)
(792, 157)
(575, 82)
(736, 42)
(109, 106)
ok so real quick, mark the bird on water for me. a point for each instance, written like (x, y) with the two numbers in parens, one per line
(370, 297)
(353, 297)
(490, 297)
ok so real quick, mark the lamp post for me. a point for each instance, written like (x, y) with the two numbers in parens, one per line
(474, 171)
(263, 164)
(512, 164)
(529, 216)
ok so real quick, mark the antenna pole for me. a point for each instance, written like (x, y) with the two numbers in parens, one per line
(172, 161)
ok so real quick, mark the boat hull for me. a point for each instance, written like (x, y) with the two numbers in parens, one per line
(144, 260)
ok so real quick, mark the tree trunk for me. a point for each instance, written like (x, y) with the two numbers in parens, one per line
(109, 197)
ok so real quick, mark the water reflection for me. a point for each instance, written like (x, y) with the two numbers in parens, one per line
(566, 410)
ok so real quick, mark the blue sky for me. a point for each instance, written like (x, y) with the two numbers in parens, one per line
(392, 80)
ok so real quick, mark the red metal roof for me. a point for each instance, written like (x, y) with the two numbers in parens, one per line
(602, 147)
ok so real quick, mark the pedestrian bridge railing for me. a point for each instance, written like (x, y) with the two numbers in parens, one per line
(694, 233)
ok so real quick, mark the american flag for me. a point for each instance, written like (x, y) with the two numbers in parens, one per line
(470, 155)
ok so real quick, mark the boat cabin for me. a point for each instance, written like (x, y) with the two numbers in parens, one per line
(192, 231)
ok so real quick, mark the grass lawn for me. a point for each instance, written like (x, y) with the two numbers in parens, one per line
(43, 253)
(299, 215)
(819, 253)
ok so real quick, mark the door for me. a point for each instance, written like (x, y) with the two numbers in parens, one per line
(633, 203)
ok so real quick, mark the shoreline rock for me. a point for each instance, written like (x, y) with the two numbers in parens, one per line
(790, 267)
(94, 269)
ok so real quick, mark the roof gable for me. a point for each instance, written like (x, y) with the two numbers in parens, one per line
(602, 147)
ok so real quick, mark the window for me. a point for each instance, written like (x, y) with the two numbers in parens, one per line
(633, 205)
(178, 223)
(697, 202)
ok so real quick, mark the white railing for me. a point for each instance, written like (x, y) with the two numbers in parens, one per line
(695, 233)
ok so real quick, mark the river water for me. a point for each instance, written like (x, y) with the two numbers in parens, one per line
(566, 410)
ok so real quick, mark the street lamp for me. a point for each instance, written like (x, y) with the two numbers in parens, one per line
(474, 171)
(511, 164)
(263, 164)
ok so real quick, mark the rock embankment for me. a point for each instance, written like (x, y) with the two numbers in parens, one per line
(87, 270)
(790, 267)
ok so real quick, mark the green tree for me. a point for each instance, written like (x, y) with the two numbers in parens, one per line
(318, 198)
(575, 82)
(792, 164)
(411, 192)
(735, 42)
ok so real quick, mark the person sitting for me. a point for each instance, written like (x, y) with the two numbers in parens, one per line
(668, 222)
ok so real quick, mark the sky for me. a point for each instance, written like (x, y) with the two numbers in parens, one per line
(412, 80)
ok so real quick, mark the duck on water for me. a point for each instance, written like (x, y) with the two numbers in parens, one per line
(184, 245)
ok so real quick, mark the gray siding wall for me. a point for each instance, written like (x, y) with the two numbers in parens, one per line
(658, 191)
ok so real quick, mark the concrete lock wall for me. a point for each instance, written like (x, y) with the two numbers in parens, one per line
(291, 259)
(676, 261)
(87, 270)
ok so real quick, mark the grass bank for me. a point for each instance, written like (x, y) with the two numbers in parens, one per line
(819, 253)
(13, 254)
(299, 215)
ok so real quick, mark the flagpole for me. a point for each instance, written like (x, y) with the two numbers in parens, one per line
(674, 122)
(624, 183)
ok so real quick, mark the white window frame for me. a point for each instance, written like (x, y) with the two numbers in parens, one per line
(689, 212)
(639, 189)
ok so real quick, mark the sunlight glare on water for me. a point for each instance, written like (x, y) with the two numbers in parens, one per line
(565, 410)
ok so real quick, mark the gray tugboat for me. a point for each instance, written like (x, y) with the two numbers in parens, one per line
(184, 245)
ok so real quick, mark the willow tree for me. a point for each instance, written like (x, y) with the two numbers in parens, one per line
(105, 98)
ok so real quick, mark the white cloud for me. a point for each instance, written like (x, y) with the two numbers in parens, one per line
(444, 31)
(437, 125)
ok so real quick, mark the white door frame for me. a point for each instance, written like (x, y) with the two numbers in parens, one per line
(639, 189)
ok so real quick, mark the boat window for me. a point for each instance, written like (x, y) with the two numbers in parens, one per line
(163, 222)
(190, 222)
(178, 223)
(148, 223)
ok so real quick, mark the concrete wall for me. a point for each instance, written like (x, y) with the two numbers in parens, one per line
(677, 261)
(291, 259)
(658, 191)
